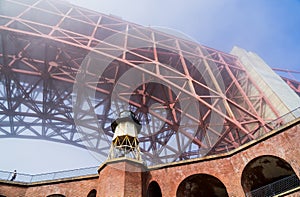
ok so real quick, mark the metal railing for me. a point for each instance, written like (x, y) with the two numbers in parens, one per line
(276, 187)
(265, 129)
(294, 114)
(28, 178)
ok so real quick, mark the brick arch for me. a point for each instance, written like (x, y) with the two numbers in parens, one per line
(92, 193)
(266, 170)
(291, 159)
(154, 190)
(201, 185)
(153, 179)
(288, 151)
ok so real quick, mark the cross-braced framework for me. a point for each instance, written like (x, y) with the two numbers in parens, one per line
(44, 45)
(290, 78)
(125, 147)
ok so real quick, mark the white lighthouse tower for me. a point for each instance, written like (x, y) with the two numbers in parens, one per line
(125, 143)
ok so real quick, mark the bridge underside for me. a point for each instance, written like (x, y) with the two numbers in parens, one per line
(66, 74)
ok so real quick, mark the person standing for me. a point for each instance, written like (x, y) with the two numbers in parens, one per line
(14, 175)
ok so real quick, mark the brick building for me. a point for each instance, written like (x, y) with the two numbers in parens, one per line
(263, 162)
(246, 138)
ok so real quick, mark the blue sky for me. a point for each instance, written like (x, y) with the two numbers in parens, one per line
(270, 28)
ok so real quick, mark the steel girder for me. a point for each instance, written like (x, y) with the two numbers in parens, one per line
(47, 58)
(291, 80)
(295, 85)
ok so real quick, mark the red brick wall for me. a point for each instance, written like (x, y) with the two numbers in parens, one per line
(110, 180)
(76, 188)
(114, 181)
(122, 178)
(70, 189)
(229, 170)
(12, 190)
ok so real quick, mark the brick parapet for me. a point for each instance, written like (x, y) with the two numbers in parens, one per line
(228, 168)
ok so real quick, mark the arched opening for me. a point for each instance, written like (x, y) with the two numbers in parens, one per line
(154, 190)
(268, 175)
(56, 195)
(92, 193)
(201, 185)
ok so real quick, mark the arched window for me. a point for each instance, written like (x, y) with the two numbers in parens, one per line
(268, 175)
(56, 195)
(92, 193)
(201, 185)
(154, 190)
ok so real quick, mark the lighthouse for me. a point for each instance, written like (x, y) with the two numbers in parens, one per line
(125, 143)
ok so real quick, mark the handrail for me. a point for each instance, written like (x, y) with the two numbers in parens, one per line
(295, 113)
(28, 178)
(272, 125)
(276, 187)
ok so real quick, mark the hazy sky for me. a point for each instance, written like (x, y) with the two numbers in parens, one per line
(270, 28)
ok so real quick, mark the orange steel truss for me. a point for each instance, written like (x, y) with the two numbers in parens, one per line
(44, 45)
(291, 80)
